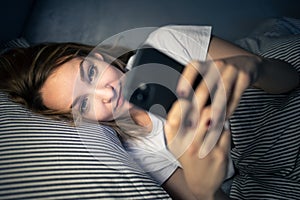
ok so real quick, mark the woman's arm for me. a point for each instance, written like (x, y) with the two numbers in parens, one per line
(177, 188)
(201, 177)
(276, 76)
(273, 75)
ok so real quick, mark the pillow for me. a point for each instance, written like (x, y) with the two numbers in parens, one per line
(45, 159)
(266, 35)
(18, 42)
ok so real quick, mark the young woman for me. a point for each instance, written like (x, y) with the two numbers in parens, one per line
(57, 80)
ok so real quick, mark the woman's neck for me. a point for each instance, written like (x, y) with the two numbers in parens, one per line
(141, 118)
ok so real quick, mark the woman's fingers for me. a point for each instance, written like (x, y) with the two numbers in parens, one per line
(199, 139)
(188, 77)
(175, 118)
(206, 89)
(201, 129)
(177, 132)
(242, 82)
(217, 83)
(211, 139)
(225, 141)
(180, 134)
(224, 82)
(222, 97)
(225, 86)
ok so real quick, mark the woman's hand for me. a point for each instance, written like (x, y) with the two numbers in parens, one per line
(203, 176)
(223, 81)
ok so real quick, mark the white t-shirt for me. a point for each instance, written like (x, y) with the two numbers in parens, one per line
(174, 40)
(150, 152)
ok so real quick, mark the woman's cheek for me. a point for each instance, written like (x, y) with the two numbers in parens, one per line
(102, 113)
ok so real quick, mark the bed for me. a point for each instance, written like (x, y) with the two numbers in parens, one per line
(46, 159)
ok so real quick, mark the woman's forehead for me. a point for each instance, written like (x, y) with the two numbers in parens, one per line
(57, 92)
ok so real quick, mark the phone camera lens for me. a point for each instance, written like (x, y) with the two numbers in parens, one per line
(140, 97)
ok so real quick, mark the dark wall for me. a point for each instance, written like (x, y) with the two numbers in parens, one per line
(95, 20)
(13, 16)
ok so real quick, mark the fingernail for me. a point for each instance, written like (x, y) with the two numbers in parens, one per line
(208, 123)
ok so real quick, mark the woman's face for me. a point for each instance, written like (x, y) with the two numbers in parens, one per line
(90, 86)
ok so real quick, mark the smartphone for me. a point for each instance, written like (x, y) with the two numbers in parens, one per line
(152, 81)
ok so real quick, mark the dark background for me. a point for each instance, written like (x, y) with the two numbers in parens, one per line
(230, 18)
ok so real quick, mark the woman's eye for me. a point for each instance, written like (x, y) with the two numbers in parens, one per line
(92, 73)
(83, 106)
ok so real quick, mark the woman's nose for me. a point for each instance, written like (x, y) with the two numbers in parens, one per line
(105, 93)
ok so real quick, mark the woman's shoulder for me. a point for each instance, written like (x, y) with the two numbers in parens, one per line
(181, 42)
(182, 29)
(179, 33)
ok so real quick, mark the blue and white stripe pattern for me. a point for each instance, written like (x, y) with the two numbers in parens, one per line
(45, 159)
(266, 133)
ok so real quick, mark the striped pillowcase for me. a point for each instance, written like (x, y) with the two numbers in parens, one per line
(46, 159)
